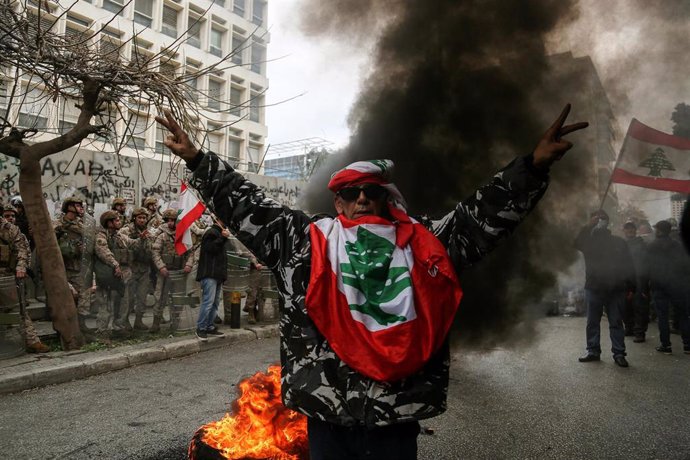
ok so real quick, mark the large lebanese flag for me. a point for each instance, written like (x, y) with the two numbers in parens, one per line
(653, 159)
(190, 210)
(383, 295)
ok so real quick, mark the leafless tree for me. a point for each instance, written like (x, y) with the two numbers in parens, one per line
(90, 74)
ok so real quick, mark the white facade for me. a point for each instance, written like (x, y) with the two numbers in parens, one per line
(208, 31)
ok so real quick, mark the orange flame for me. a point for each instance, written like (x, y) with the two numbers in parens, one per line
(262, 428)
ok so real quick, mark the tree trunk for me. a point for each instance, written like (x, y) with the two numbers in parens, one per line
(61, 303)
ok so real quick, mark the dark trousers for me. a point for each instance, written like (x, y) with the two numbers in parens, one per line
(335, 442)
(636, 317)
(663, 302)
(613, 303)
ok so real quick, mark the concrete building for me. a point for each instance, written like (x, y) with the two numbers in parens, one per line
(677, 205)
(296, 160)
(232, 96)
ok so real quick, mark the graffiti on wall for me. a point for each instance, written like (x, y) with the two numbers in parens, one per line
(98, 177)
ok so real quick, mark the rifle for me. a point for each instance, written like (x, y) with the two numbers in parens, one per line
(22, 298)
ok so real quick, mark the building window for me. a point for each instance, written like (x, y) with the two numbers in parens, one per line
(69, 114)
(161, 134)
(169, 23)
(258, 57)
(3, 96)
(254, 159)
(238, 7)
(255, 104)
(258, 12)
(237, 49)
(236, 101)
(215, 94)
(234, 152)
(214, 140)
(194, 32)
(143, 12)
(167, 69)
(113, 5)
(33, 112)
(216, 47)
(136, 131)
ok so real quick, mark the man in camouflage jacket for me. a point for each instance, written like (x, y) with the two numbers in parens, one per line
(14, 261)
(315, 381)
(69, 230)
(141, 264)
(166, 259)
(113, 251)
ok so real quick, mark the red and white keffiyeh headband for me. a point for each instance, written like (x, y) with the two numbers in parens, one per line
(368, 172)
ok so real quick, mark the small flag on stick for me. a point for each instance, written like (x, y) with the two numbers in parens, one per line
(190, 210)
(653, 159)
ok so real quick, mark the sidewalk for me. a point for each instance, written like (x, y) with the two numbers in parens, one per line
(37, 370)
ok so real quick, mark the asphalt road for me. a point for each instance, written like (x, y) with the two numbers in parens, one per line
(532, 401)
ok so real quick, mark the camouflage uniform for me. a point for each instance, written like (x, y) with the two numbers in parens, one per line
(164, 255)
(314, 380)
(114, 250)
(70, 235)
(15, 255)
(141, 265)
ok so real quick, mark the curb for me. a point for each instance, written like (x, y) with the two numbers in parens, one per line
(50, 371)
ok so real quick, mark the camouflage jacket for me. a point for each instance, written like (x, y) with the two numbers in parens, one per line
(14, 248)
(315, 381)
(163, 251)
(154, 220)
(70, 236)
(114, 249)
(142, 254)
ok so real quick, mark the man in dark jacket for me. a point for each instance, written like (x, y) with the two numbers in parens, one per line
(636, 318)
(212, 272)
(609, 278)
(350, 414)
(669, 273)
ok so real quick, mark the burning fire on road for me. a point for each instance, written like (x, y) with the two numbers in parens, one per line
(261, 427)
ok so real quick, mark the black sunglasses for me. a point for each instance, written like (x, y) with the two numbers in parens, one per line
(371, 191)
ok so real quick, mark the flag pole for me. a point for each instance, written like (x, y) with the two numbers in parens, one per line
(618, 160)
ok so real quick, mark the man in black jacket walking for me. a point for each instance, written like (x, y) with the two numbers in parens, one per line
(610, 277)
(669, 271)
(212, 272)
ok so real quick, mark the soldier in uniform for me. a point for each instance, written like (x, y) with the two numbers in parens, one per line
(141, 263)
(70, 235)
(14, 260)
(114, 254)
(151, 205)
(165, 259)
(120, 206)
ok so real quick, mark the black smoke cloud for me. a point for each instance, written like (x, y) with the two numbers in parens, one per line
(458, 89)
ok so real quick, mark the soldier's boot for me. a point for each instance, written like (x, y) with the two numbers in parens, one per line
(37, 347)
(252, 316)
(156, 326)
(139, 323)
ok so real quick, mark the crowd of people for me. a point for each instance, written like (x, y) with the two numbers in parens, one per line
(630, 278)
(112, 269)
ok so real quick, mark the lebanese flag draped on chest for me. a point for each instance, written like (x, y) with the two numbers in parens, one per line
(383, 294)
(191, 208)
(653, 159)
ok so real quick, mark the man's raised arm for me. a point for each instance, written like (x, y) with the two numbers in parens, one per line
(478, 223)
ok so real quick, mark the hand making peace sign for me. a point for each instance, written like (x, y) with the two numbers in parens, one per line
(178, 141)
(551, 146)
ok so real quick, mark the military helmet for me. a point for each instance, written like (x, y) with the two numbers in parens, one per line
(118, 200)
(139, 211)
(71, 200)
(9, 207)
(150, 200)
(170, 214)
(16, 201)
(108, 216)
